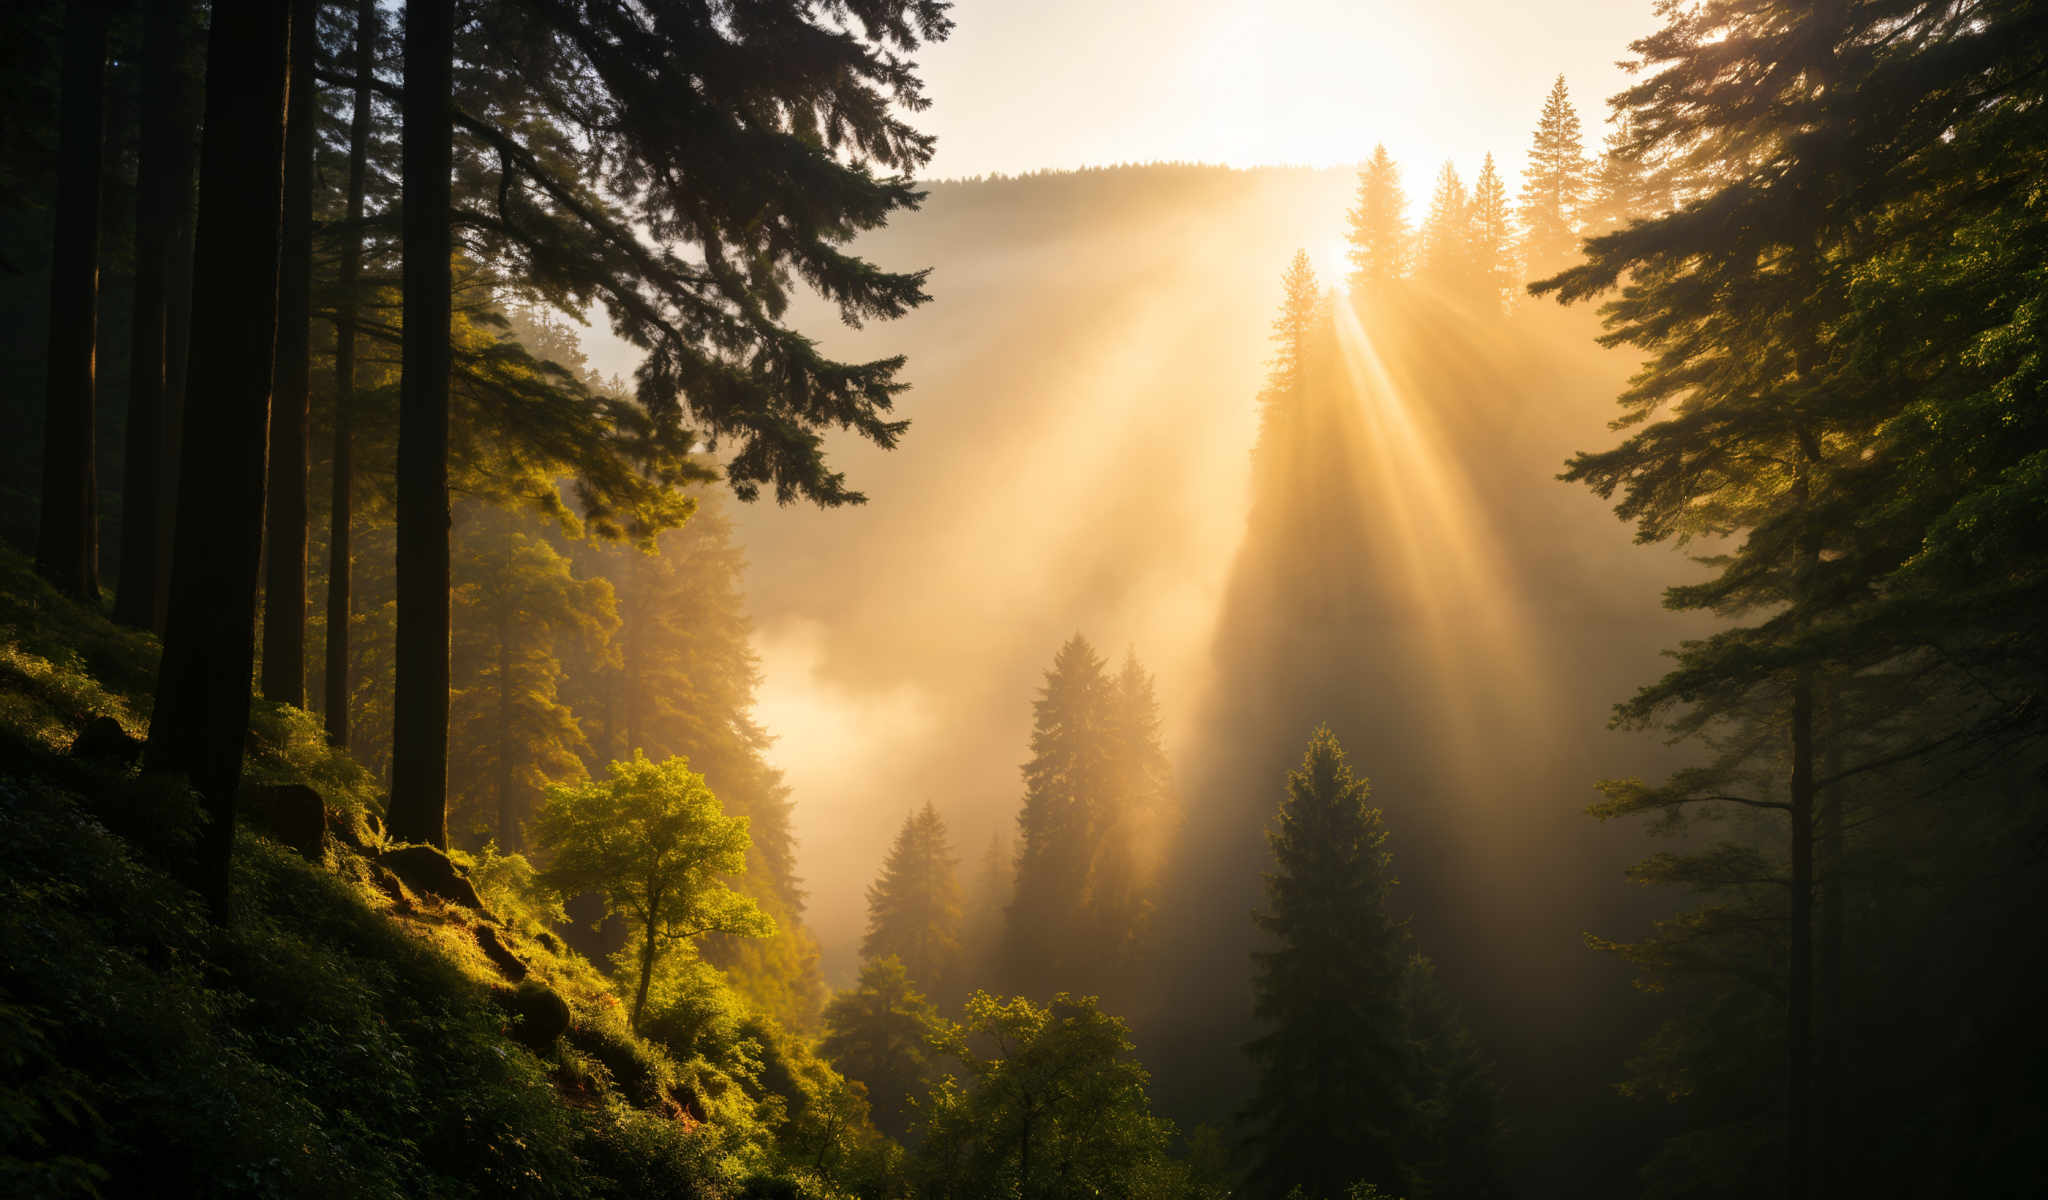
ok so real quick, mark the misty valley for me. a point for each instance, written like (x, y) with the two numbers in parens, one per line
(674, 600)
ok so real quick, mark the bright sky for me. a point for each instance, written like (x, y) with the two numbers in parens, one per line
(1028, 84)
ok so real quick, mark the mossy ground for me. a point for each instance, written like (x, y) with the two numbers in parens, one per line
(332, 1038)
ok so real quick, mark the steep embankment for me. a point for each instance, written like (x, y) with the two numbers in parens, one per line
(351, 1031)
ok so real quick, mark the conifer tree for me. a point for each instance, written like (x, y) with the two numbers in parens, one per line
(163, 235)
(517, 609)
(1069, 773)
(1622, 189)
(1378, 229)
(787, 114)
(1134, 815)
(285, 500)
(1301, 298)
(914, 905)
(1332, 1106)
(1826, 147)
(418, 809)
(1446, 259)
(342, 456)
(1493, 237)
(67, 539)
(200, 719)
(1555, 185)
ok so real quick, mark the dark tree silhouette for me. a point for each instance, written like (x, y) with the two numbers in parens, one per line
(67, 541)
(163, 185)
(419, 731)
(284, 522)
(201, 716)
(341, 460)
(1332, 1105)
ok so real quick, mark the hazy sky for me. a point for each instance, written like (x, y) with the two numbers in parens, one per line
(1028, 84)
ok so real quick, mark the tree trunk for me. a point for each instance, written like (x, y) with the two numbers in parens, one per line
(1829, 1142)
(419, 735)
(1799, 972)
(67, 541)
(284, 525)
(177, 338)
(163, 167)
(646, 969)
(201, 715)
(508, 824)
(340, 570)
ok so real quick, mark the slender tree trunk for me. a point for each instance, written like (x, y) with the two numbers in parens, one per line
(340, 568)
(67, 541)
(1828, 1070)
(284, 526)
(201, 716)
(177, 338)
(646, 969)
(157, 180)
(419, 735)
(1799, 980)
(508, 824)
(1799, 973)
(629, 674)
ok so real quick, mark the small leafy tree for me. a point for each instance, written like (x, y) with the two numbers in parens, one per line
(884, 1033)
(653, 844)
(1057, 1108)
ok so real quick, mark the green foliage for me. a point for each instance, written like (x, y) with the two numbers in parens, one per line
(512, 888)
(330, 1041)
(1053, 1105)
(886, 1035)
(517, 606)
(650, 840)
(679, 679)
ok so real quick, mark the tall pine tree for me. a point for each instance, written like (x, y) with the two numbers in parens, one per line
(1069, 772)
(1332, 1106)
(1492, 230)
(1378, 228)
(914, 909)
(1555, 185)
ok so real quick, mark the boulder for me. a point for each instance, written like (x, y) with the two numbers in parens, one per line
(539, 1014)
(509, 964)
(290, 813)
(104, 739)
(429, 872)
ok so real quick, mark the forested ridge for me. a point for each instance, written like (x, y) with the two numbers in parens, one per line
(573, 625)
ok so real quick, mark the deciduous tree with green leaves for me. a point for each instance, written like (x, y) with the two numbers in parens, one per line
(1053, 1105)
(651, 841)
(887, 1035)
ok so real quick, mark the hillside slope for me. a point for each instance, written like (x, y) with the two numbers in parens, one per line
(347, 1033)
